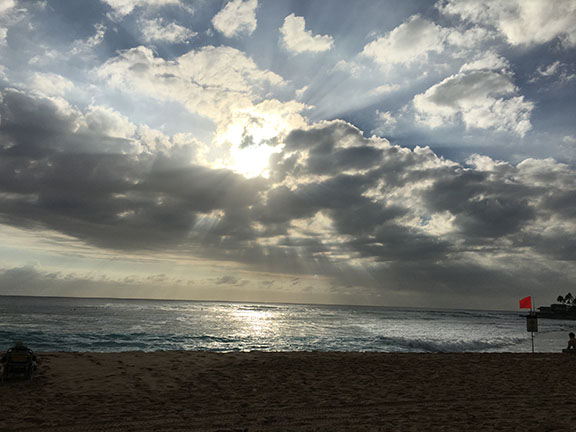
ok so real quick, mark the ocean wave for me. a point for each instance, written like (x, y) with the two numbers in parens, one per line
(256, 308)
(110, 325)
(438, 345)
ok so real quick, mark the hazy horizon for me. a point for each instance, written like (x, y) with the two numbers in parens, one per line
(413, 154)
(248, 302)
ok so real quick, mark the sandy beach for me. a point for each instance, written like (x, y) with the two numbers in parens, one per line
(203, 391)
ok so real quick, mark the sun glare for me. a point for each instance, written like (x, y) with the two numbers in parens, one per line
(253, 139)
(252, 161)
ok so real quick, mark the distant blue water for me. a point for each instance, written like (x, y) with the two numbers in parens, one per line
(74, 324)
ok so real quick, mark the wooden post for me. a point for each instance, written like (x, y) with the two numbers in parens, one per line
(532, 323)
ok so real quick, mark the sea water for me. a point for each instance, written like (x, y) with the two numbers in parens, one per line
(105, 325)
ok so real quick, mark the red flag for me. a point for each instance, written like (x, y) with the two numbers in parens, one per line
(526, 303)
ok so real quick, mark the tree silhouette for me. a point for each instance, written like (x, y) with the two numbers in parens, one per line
(569, 299)
(560, 299)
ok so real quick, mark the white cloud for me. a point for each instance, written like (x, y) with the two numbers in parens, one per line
(386, 88)
(157, 30)
(549, 70)
(6, 5)
(85, 47)
(297, 39)
(468, 38)
(237, 17)
(106, 121)
(209, 81)
(387, 118)
(125, 7)
(521, 22)
(219, 83)
(51, 84)
(479, 96)
(352, 68)
(560, 71)
(409, 42)
(488, 61)
(385, 123)
(546, 173)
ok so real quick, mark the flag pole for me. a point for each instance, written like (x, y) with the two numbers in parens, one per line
(533, 309)
(531, 318)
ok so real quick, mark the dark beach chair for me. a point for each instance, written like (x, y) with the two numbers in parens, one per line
(18, 364)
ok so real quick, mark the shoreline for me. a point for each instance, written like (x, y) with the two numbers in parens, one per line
(295, 391)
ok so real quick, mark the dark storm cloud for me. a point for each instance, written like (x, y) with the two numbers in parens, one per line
(462, 283)
(27, 280)
(336, 202)
(364, 218)
(345, 159)
(106, 197)
(337, 193)
(33, 280)
(324, 151)
(235, 223)
(494, 217)
(562, 202)
(191, 184)
(392, 242)
(483, 208)
(558, 244)
(491, 208)
(227, 280)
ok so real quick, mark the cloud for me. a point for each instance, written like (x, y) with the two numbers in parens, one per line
(50, 84)
(520, 22)
(92, 176)
(156, 30)
(400, 193)
(411, 41)
(339, 204)
(226, 280)
(190, 78)
(107, 122)
(125, 7)
(9, 15)
(236, 18)
(487, 61)
(90, 149)
(481, 95)
(6, 5)
(557, 71)
(219, 83)
(35, 280)
(296, 39)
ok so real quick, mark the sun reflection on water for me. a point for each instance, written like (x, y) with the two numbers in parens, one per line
(256, 322)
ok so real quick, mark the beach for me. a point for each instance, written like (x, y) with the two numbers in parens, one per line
(293, 391)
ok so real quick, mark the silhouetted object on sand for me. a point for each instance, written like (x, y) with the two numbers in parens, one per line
(571, 348)
(18, 362)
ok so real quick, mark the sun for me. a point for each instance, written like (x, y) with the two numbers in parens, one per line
(252, 139)
(252, 161)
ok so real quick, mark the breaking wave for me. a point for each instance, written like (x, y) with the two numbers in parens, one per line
(437, 346)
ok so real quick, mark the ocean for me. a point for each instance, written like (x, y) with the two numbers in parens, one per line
(105, 325)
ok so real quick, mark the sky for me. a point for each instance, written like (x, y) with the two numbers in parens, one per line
(416, 153)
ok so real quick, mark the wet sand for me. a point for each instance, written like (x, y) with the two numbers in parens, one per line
(202, 391)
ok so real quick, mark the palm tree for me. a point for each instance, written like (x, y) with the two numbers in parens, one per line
(569, 299)
(560, 299)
